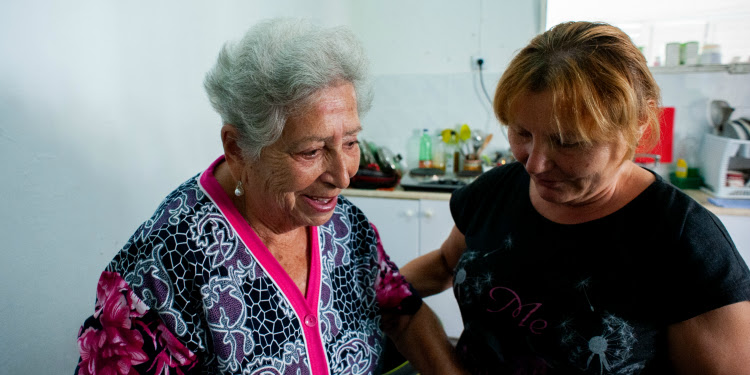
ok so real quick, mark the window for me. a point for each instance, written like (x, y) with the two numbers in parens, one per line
(721, 26)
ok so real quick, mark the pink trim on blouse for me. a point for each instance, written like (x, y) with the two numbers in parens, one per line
(306, 307)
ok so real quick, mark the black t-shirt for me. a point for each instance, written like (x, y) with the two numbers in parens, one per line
(538, 297)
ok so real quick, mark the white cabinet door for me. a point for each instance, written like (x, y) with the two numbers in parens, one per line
(397, 221)
(436, 223)
(739, 229)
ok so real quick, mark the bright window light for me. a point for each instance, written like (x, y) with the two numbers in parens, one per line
(720, 27)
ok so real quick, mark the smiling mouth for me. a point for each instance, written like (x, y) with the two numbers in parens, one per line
(322, 200)
(322, 204)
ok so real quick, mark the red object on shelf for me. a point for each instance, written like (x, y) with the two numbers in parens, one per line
(666, 138)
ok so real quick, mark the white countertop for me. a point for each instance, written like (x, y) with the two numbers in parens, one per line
(399, 193)
(702, 198)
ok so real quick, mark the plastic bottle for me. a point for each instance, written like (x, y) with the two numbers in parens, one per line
(425, 150)
(450, 138)
(438, 154)
(682, 169)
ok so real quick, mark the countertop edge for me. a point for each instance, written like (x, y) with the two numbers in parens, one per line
(398, 193)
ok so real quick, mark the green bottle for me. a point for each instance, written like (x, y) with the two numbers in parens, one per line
(425, 150)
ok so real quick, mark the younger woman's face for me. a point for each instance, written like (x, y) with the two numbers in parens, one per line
(562, 171)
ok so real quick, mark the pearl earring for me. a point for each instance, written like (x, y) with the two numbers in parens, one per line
(238, 191)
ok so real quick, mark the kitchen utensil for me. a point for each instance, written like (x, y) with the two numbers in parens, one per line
(373, 179)
(474, 165)
(719, 113)
(410, 183)
(742, 127)
(366, 157)
(486, 141)
(737, 129)
(477, 138)
(431, 173)
(378, 168)
(386, 160)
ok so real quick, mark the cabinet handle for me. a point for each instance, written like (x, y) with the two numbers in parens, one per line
(409, 213)
(428, 213)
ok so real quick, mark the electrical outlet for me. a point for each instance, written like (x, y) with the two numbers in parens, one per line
(475, 62)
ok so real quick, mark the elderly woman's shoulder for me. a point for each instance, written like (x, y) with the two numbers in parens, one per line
(171, 218)
(180, 202)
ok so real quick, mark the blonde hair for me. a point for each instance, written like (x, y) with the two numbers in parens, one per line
(601, 87)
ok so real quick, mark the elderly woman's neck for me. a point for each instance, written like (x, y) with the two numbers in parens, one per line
(275, 235)
(264, 225)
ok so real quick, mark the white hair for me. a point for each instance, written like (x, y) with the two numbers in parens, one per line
(273, 71)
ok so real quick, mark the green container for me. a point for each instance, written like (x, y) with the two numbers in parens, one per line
(694, 180)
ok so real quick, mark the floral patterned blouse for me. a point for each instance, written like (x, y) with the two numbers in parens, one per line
(195, 291)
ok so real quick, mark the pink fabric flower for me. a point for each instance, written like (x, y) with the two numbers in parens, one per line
(110, 286)
(392, 289)
(391, 286)
(110, 351)
(174, 355)
(114, 349)
(118, 346)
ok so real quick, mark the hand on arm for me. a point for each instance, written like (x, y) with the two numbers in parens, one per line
(716, 342)
(432, 273)
(422, 340)
(414, 328)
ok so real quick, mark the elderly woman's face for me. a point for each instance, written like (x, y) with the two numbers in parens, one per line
(301, 175)
(561, 171)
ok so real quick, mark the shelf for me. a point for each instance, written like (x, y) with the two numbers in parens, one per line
(737, 68)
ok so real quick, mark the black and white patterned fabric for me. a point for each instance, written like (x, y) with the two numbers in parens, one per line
(203, 276)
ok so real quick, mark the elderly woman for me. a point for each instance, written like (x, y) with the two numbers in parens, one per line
(257, 265)
(575, 260)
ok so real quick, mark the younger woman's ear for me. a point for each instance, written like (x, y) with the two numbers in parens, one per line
(232, 151)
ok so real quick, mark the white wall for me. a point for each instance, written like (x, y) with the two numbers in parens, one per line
(421, 57)
(691, 93)
(102, 113)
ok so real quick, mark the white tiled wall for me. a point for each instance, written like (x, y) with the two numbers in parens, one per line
(690, 94)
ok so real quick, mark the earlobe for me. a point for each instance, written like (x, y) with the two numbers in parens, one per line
(232, 150)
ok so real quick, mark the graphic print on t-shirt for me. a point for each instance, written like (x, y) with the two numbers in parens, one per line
(592, 341)
(609, 351)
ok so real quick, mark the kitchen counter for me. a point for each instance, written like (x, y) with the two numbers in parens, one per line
(399, 193)
(702, 197)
